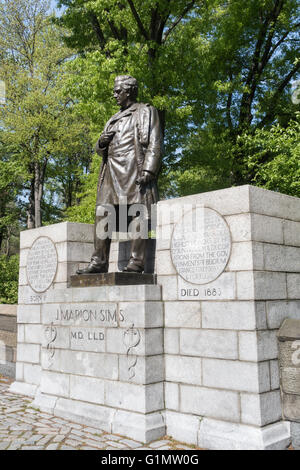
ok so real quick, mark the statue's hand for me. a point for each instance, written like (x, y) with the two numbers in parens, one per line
(146, 178)
(106, 138)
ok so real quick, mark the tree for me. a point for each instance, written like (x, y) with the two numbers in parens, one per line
(39, 127)
(217, 70)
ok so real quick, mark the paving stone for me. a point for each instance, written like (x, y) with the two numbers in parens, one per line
(25, 428)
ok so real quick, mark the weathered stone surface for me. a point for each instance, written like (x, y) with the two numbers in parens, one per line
(223, 288)
(295, 434)
(233, 375)
(209, 343)
(209, 402)
(291, 407)
(182, 369)
(219, 435)
(261, 410)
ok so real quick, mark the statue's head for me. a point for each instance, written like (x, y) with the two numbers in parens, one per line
(128, 84)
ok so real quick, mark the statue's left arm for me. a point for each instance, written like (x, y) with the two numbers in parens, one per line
(154, 149)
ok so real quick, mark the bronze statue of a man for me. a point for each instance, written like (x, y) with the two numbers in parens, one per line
(131, 147)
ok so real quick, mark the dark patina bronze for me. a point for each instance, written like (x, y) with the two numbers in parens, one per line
(131, 149)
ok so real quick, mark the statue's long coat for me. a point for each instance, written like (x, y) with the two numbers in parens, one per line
(136, 146)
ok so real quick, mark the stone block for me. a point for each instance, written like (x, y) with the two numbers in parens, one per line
(274, 374)
(291, 407)
(27, 296)
(22, 277)
(182, 427)
(21, 334)
(223, 288)
(171, 341)
(257, 346)
(23, 257)
(22, 388)
(87, 339)
(57, 233)
(229, 315)
(291, 233)
(267, 229)
(260, 410)
(144, 428)
(171, 396)
(219, 435)
(182, 314)
(55, 384)
(281, 258)
(19, 372)
(8, 323)
(229, 201)
(280, 310)
(290, 380)
(293, 286)
(209, 343)
(181, 369)
(274, 204)
(142, 314)
(87, 389)
(28, 353)
(169, 287)
(134, 397)
(85, 413)
(58, 337)
(240, 227)
(29, 314)
(295, 433)
(8, 338)
(74, 251)
(141, 370)
(218, 404)
(92, 314)
(83, 363)
(234, 375)
(164, 265)
(143, 342)
(163, 237)
(246, 256)
(262, 285)
(32, 373)
(78, 232)
(33, 333)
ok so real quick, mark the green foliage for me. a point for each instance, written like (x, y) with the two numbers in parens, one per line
(85, 211)
(275, 157)
(9, 274)
(218, 71)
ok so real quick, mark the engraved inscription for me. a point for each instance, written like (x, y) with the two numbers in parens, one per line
(41, 264)
(131, 339)
(200, 246)
(50, 335)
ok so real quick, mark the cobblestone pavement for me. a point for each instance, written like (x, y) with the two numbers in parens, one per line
(24, 428)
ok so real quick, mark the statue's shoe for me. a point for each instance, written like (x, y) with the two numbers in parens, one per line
(133, 268)
(92, 269)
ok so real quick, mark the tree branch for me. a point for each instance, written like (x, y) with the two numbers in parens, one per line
(178, 19)
(138, 20)
(97, 28)
(270, 114)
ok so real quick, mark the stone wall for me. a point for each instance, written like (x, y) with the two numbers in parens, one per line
(221, 378)
(8, 339)
(221, 354)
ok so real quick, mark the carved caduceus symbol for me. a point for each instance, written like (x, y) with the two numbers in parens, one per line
(50, 335)
(131, 339)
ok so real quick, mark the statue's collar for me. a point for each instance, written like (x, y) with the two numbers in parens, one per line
(120, 114)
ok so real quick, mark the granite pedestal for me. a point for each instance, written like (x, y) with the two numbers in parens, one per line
(206, 367)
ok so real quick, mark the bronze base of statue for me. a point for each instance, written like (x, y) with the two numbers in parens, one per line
(112, 279)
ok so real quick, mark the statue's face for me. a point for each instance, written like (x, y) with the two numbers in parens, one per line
(121, 96)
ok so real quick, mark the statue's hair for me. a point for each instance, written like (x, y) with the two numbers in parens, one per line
(128, 82)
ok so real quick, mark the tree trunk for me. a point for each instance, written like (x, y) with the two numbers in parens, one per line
(38, 194)
(30, 210)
